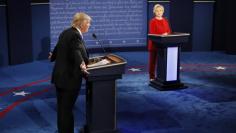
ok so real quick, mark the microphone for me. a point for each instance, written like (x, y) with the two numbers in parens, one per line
(99, 42)
(94, 36)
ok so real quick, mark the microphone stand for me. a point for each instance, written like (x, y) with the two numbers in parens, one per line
(104, 51)
(99, 42)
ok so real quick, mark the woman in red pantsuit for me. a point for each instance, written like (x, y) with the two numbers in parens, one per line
(157, 25)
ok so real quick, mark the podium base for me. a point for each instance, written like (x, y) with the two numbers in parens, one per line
(167, 86)
(86, 130)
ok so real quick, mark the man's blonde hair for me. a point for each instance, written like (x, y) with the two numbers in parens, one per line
(157, 6)
(79, 18)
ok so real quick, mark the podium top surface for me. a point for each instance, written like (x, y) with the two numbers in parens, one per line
(109, 60)
(174, 34)
(173, 38)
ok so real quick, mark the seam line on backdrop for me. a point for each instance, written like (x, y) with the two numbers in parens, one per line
(120, 39)
(159, 1)
(210, 1)
(34, 4)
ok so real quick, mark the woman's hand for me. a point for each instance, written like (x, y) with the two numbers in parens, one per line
(165, 33)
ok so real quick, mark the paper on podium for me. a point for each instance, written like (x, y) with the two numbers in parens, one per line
(102, 62)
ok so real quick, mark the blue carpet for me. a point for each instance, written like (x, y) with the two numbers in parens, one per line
(208, 105)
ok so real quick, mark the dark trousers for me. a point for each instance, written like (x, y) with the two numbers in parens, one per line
(152, 64)
(66, 99)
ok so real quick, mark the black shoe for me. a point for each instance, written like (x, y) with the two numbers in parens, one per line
(81, 130)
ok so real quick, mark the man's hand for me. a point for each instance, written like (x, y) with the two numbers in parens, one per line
(49, 55)
(84, 68)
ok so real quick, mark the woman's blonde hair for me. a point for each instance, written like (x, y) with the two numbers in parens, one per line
(79, 18)
(157, 6)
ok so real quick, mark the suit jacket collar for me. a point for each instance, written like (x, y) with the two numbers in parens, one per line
(78, 32)
(81, 37)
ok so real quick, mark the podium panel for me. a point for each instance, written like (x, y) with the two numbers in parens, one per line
(101, 93)
(168, 61)
(172, 63)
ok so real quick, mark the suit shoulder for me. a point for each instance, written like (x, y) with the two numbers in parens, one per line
(74, 32)
(68, 33)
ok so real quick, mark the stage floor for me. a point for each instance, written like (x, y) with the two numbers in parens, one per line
(208, 105)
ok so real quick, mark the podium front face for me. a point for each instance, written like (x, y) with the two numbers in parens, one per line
(101, 93)
(168, 62)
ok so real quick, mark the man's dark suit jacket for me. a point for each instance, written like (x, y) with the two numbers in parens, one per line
(68, 55)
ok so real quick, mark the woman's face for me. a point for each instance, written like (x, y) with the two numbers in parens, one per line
(159, 12)
(85, 26)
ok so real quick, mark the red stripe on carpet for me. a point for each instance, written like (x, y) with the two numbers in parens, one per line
(23, 86)
(18, 102)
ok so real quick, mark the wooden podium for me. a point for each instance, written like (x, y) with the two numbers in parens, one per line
(168, 62)
(101, 93)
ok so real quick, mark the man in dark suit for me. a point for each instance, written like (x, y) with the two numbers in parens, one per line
(71, 58)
